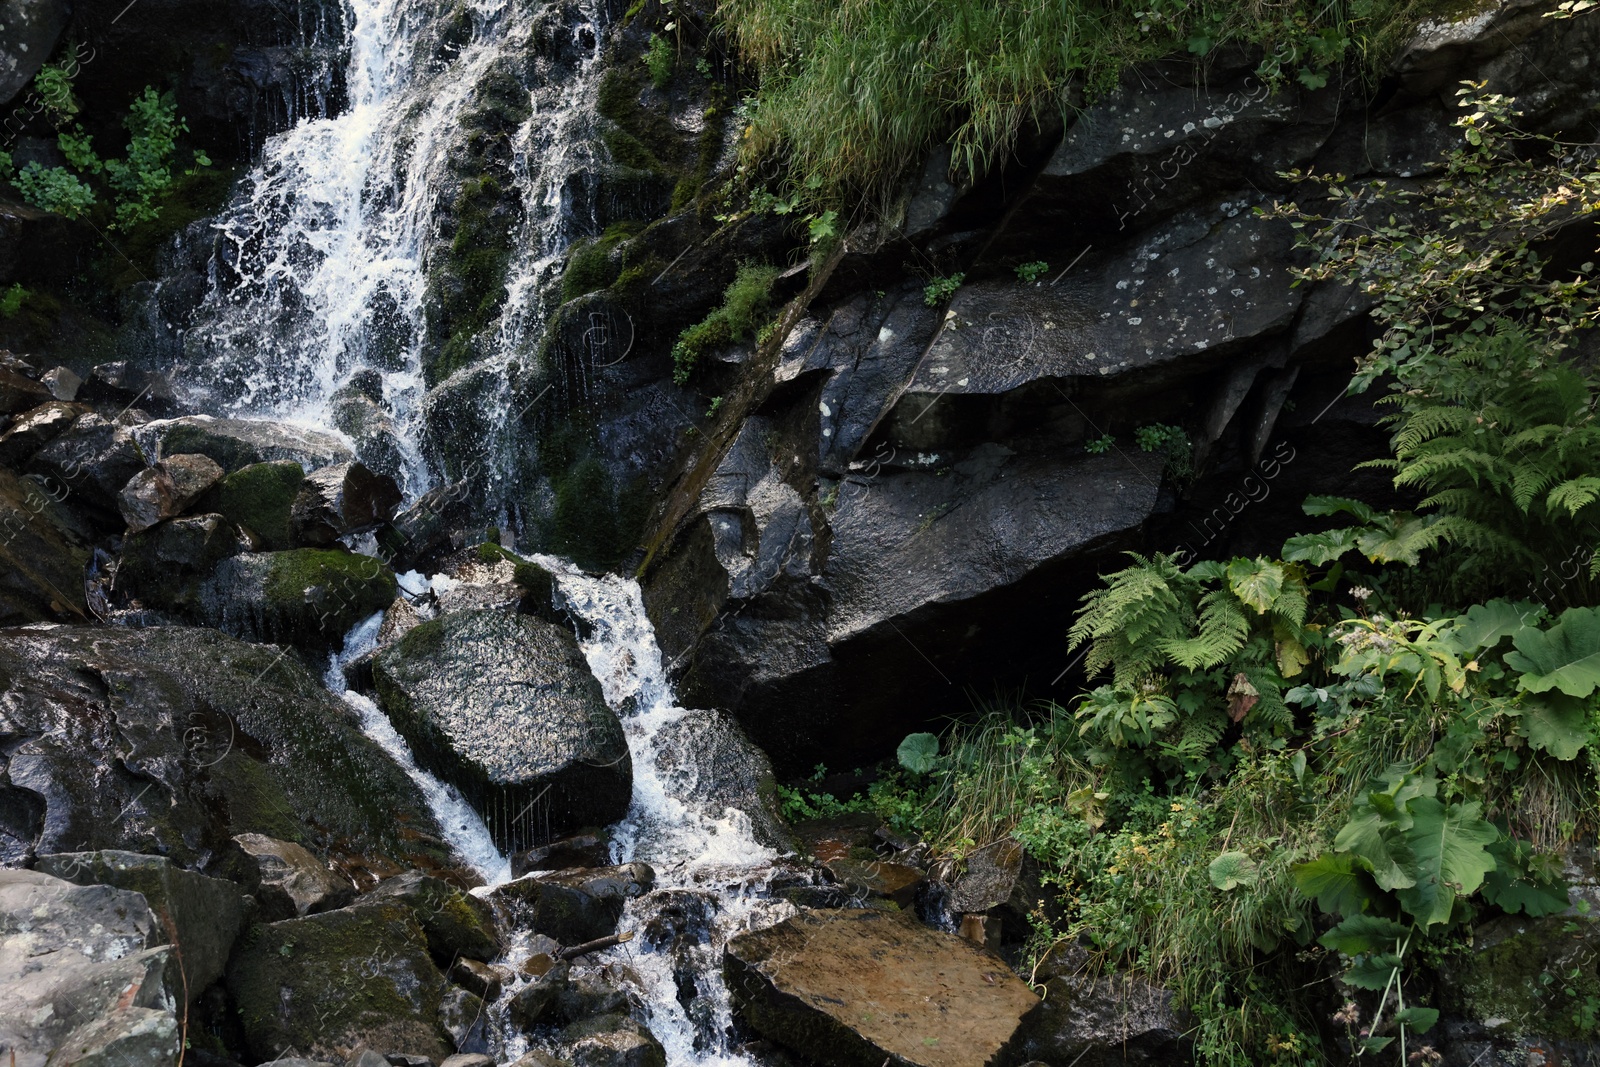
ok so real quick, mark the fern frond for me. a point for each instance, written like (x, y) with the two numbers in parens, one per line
(1224, 628)
(1575, 494)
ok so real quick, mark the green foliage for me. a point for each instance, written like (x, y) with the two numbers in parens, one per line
(1099, 445)
(744, 304)
(134, 186)
(1172, 442)
(942, 289)
(11, 301)
(919, 753)
(1032, 272)
(660, 60)
(853, 95)
(53, 84)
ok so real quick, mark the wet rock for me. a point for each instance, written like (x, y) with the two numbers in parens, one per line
(579, 850)
(879, 879)
(465, 1020)
(34, 429)
(1102, 1022)
(62, 383)
(166, 565)
(171, 740)
(307, 597)
(261, 498)
(365, 421)
(92, 460)
(457, 924)
(326, 983)
(857, 987)
(32, 28)
(201, 915)
(477, 977)
(612, 1041)
(165, 490)
(535, 1003)
(540, 595)
(128, 385)
(587, 995)
(1001, 882)
(574, 906)
(505, 708)
(291, 880)
(742, 788)
(467, 1059)
(539, 1058)
(236, 443)
(339, 500)
(1494, 988)
(19, 393)
(84, 975)
(43, 553)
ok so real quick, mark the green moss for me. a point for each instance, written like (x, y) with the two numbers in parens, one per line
(594, 264)
(745, 303)
(353, 586)
(260, 497)
(1539, 977)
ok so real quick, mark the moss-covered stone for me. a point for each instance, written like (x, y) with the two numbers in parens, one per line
(307, 597)
(324, 984)
(1533, 977)
(260, 498)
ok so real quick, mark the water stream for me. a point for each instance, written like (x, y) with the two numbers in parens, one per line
(320, 287)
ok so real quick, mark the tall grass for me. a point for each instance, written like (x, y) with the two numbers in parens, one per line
(854, 92)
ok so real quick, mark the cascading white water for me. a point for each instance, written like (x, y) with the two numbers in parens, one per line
(702, 855)
(327, 246)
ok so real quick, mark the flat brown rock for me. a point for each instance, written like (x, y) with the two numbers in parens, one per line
(865, 987)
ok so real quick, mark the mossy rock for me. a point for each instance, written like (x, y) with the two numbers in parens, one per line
(1529, 977)
(324, 984)
(307, 597)
(260, 498)
(166, 565)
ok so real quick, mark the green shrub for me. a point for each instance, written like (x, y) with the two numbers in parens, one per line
(660, 60)
(1032, 272)
(11, 301)
(942, 289)
(1171, 442)
(744, 304)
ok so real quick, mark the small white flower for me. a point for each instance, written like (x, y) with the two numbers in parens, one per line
(1360, 592)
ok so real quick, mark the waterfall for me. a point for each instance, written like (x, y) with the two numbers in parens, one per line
(320, 288)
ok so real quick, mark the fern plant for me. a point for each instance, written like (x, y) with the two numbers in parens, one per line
(1191, 651)
(1507, 449)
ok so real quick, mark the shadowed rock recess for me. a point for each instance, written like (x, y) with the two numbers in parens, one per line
(503, 566)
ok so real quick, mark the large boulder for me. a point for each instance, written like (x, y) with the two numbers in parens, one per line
(288, 880)
(742, 788)
(858, 988)
(307, 597)
(29, 30)
(505, 708)
(43, 553)
(171, 740)
(341, 499)
(201, 915)
(261, 498)
(458, 925)
(92, 460)
(323, 985)
(576, 906)
(236, 443)
(166, 566)
(1103, 1022)
(85, 975)
(165, 489)
(32, 430)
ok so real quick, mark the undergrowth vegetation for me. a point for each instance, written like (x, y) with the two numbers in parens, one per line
(1299, 781)
(852, 95)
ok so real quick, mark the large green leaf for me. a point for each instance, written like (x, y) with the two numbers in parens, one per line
(1398, 540)
(1335, 883)
(1524, 880)
(919, 753)
(1365, 934)
(1450, 856)
(1233, 869)
(1557, 723)
(1257, 582)
(1320, 548)
(1564, 657)
(1334, 505)
(1486, 625)
(1417, 1018)
(1372, 837)
(1372, 972)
